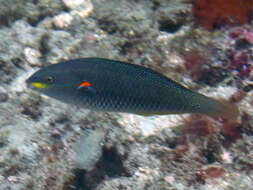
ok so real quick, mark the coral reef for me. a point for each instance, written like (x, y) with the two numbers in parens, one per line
(217, 13)
(240, 40)
(45, 144)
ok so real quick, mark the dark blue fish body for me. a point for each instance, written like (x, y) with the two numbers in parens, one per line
(107, 85)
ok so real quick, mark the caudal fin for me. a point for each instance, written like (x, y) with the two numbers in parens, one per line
(227, 110)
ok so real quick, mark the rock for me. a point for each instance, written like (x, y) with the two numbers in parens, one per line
(79, 7)
(3, 97)
(32, 56)
(62, 20)
(71, 4)
(31, 11)
(88, 149)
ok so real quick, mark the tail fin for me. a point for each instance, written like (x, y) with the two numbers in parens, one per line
(218, 108)
(227, 110)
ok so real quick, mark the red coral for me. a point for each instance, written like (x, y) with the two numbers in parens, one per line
(199, 125)
(194, 62)
(231, 129)
(242, 64)
(237, 96)
(206, 126)
(239, 40)
(211, 173)
(216, 13)
(180, 151)
(242, 34)
(202, 125)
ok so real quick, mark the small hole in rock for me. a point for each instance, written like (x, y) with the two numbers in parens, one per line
(170, 27)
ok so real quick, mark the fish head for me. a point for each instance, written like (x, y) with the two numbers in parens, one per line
(56, 82)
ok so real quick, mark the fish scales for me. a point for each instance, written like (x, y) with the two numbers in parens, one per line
(135, 88)
(108, 85)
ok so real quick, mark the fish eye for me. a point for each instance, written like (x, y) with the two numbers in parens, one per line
(49, 79)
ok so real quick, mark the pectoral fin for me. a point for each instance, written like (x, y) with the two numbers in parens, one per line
(86, 86)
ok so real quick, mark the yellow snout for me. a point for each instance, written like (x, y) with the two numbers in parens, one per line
(39, 85)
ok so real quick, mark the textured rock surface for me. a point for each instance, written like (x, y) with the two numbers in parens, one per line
(38, 134)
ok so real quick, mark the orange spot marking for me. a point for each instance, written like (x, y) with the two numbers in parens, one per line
(84, 84)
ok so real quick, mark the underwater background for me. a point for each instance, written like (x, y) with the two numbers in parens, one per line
(205, 45)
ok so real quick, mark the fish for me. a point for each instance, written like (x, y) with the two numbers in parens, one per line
(113, 86)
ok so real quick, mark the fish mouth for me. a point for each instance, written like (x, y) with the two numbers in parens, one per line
(38, 85)
(35, 85)
(28, 82)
